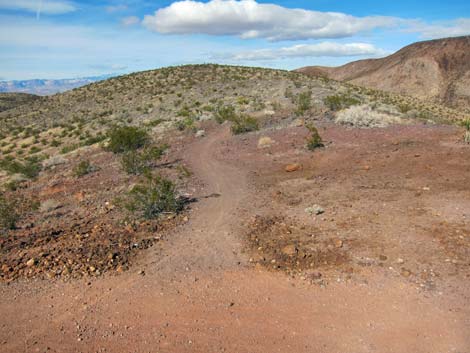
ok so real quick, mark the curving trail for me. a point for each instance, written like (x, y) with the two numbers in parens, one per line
(199, 295)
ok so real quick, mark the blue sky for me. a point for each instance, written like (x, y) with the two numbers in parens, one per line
(67, 39)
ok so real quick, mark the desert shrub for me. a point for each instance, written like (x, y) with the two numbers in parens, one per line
(363, 116)
(126, 138)
(8, 212)
(304, 103)
(187, 123)
(340, 101)
(139, 162)
(30, 168)
(315, 141)
(244, 123)
(83, 168)
(224, 113)
(156, 195)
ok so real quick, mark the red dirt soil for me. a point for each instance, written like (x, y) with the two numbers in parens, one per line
(398, 199)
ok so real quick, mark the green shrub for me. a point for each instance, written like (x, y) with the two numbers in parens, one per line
(304, 103)
(139, 162)
(224, 113)
(315, 140)
(155, 196)
(126, 138)
(244, 123)
(340, 101)
(8, 212)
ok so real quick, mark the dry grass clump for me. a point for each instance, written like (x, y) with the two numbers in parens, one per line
(363, 116)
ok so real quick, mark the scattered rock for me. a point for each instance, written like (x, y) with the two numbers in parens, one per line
(31, 262)
(315, 210)
(293, 167)
(201, 133)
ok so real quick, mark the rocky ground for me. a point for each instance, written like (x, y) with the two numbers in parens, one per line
(359, 246)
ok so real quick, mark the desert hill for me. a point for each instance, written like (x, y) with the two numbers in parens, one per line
(12, 100)
(436, 70)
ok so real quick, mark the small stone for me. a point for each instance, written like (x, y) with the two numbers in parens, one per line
(383, 257)
(338, 243)
(405, 273)
(293, 167)
(265, 142)
(400, 261)
(31, 262)
(200, 133)
(289, 250)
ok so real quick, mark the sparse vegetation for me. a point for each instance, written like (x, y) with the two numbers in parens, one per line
(8, 212)
(30, 168)
(364, 116)
(466, 124)
(340, 101)
(83, 168)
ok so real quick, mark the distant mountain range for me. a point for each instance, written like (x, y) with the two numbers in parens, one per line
(44, 87)
(437, 70)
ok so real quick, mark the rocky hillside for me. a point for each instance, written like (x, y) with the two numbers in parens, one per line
(12, 100)
(437, 70)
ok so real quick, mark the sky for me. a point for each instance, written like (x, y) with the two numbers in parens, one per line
(68, 39)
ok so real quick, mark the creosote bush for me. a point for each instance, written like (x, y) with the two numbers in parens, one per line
(244, 123)
(315, 141)
(154, 196)
(140, 161)
(126, 138)
(225, 113)
(304, 103)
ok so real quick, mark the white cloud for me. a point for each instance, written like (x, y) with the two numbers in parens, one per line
(130, 21)
(455, 28)
(248, 19)
(50, 7)
(325, 49)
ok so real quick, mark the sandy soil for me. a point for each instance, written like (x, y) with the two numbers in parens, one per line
(397, 198)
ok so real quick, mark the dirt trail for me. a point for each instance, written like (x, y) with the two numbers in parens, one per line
(208, 241)
(199, 295)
